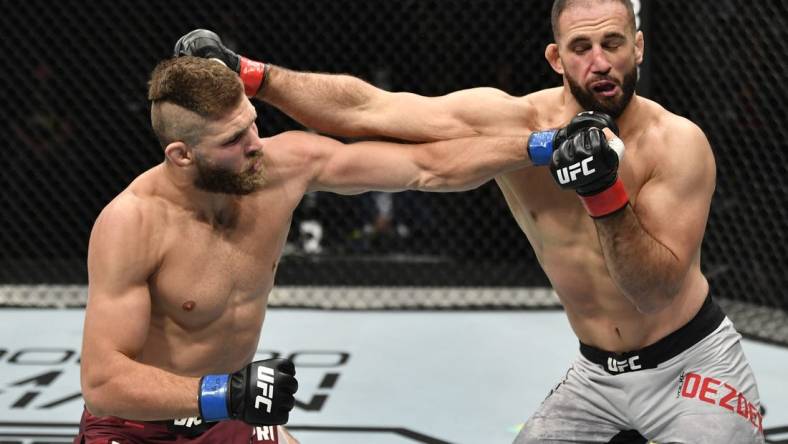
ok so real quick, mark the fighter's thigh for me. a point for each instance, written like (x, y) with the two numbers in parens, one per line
(711, 402)
(572, 412)
(711, 428)
(106, 437)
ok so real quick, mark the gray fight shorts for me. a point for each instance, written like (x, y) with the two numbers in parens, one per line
(694, 386)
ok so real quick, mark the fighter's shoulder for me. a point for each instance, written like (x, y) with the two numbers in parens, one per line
(290, 148)
(125, 210)
(669, 127)
(124, 242)
(491, 110)
(543, 106)
(480, 97)
(294, 156)
(131, 217)
(545, 97)
(678, 141)
(293, 138)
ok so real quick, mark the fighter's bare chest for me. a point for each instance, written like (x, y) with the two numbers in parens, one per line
(206, 270)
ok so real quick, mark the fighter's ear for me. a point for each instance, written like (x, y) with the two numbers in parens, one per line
(553, 58)
(639, 47)
(179, 154)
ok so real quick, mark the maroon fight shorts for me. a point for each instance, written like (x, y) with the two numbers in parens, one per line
(112, 430)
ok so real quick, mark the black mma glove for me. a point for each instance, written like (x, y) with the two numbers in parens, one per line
(587, 163)
(541, 144)
(208, 45)
(259, 394)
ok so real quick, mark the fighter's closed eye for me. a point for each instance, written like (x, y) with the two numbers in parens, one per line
(581, 48)
(234, 140)
(613, 43)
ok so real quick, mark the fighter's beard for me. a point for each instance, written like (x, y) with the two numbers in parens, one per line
(219, 180)
(613, 106)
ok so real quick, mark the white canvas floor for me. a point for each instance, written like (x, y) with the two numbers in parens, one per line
(365, 377)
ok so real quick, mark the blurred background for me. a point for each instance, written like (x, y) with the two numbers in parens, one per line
(76, 131)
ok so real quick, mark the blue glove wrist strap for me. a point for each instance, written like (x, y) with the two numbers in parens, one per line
(213, 397)
(540, 147)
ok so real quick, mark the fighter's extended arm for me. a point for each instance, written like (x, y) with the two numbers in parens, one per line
(348, 106)
(451, 165)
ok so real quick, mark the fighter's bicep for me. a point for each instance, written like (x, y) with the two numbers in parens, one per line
(492, 112)
(465, 113)
(673, 205)
(120, 262)
(116, 320)
(366, 166)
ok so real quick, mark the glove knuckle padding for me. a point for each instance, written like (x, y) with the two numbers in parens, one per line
(594, 141)
(289, 384)
(206, 44)
(591, 119)
(560, 155)
(579, 143)
(286, 366)
(189, 43)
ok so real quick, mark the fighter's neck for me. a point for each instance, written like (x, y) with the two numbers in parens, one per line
(630, 115)
(214, 208)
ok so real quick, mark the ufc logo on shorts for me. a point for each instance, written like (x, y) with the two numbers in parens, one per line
(187, 422)
(569, 174)
(265, 382)
(627, 365)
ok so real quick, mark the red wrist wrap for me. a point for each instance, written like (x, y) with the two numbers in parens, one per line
(608, 201)
(252, 74)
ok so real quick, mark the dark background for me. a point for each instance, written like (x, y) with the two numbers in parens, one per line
(76, 128)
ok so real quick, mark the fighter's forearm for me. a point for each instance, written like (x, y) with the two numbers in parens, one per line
(329, 103)
(645, 270)
(127, 389)
(466, 163)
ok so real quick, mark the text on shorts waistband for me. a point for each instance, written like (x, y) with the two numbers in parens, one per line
(708, 318)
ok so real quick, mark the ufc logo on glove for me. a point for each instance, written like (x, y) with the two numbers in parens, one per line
(241, 395)
(569, 174)
(265, 381)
